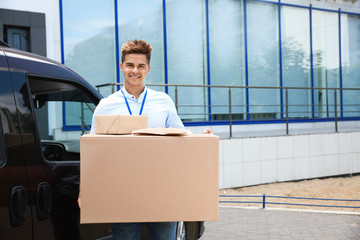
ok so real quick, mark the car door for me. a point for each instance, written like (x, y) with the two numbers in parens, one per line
(54, 106)
(15, 202)
(62, 110)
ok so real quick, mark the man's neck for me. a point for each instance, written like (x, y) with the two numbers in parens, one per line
(135, 90)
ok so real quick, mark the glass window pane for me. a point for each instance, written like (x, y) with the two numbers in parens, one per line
(295, 48)
(325, 61)
(143, 19)
(227, 58)
(350, 56)
(78, 114)
(16, 40)
(263, 59)
(186, 55)
(89, 40)
(50, 100)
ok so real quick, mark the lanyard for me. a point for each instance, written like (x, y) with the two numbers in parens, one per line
(128, 106)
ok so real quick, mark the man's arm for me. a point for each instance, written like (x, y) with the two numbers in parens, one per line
(173, 119)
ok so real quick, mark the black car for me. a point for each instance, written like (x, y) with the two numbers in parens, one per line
(45, 107)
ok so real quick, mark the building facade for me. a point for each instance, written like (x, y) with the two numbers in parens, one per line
(256, 47)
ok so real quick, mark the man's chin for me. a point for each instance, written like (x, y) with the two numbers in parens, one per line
(135, 83)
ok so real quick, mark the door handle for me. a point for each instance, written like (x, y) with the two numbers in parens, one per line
(43, 201)
(17, 206)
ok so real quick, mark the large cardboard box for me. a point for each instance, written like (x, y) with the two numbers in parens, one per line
(128, 178)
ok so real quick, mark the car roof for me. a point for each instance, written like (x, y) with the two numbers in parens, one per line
(38, 66)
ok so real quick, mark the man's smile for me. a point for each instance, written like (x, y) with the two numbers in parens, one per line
(134, 76)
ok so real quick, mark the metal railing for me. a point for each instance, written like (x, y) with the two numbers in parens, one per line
(84, 125)
(264, 201)
(284, 114)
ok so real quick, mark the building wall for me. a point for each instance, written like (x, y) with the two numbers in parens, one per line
(258, 160)
(52, 19)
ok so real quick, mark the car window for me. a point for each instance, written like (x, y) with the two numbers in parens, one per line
(10, 138)
(63, 113)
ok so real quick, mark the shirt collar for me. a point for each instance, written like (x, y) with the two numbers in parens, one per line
(130, 96)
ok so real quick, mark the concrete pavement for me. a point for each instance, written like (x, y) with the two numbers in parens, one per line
(247, 223)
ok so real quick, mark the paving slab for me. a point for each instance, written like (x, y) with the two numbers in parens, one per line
(253, 223)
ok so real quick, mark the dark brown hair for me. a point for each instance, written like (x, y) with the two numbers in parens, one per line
(136, 46)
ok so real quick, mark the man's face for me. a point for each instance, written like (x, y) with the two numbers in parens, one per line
(135, 69)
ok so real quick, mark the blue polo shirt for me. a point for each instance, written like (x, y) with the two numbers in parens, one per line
(158, 106)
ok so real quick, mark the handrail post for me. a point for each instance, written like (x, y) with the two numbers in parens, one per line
(82, 119)
(287, 111)
(264, 201)
(335, 105)
(176, 98)
(230, 113)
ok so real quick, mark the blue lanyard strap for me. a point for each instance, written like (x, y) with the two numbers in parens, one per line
(128, 106)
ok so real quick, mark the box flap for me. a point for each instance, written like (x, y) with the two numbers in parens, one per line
(161, 131)
(119, 124)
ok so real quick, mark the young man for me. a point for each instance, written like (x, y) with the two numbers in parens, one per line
(135, 98)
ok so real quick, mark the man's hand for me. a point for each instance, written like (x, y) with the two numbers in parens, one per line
(79, 199)
(208, 131)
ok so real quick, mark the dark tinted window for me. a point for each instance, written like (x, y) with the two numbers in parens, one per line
(10, 140)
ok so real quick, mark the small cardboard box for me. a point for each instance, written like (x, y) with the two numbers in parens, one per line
(149, 178)
(119, 124)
